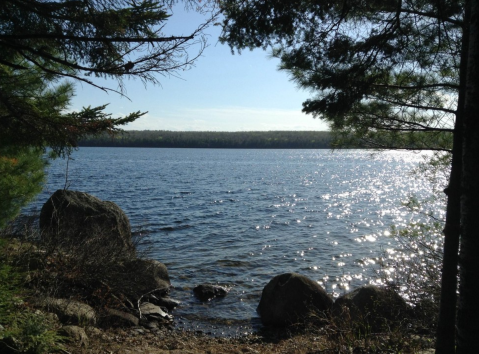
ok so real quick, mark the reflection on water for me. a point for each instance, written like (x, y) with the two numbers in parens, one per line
(240, 217)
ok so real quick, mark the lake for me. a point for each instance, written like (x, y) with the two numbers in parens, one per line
(239, 217)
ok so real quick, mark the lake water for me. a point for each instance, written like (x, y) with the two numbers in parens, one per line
(240, 217)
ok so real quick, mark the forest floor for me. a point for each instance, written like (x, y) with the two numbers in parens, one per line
(166, 341)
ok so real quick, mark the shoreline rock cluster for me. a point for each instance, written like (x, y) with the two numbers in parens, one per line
(294, 299)
(75, 221)
(95, 234)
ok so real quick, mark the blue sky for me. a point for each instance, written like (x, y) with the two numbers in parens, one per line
(223, 92)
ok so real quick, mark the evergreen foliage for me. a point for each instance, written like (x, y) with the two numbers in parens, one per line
(21, 179)
(378, 69)
(47, 46)
(33, 111)
(42, 43)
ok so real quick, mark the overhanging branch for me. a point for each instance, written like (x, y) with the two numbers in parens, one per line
(418, 87)
(93, 39)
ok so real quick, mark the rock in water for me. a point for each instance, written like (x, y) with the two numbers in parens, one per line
(292, 299)
(72, 216)
(207, 292)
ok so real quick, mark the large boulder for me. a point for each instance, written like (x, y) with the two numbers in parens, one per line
(371, 306)
(292, 299)
(79, 218)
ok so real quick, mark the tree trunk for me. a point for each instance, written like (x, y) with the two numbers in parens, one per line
(468, 309)
(446, 331)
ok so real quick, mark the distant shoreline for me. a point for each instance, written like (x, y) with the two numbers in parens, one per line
(217, 148)
(213, 140)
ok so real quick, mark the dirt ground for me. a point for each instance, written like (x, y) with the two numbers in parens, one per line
(143, 341)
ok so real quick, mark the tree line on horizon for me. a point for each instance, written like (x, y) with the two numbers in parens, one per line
(211, 139)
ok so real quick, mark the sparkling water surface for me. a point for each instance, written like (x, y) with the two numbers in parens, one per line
(239, 217)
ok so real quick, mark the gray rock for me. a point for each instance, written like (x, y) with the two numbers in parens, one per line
(93, 331)
(372, 306)
(140, 278)
(76, 334)
(117, 318)
(207, 292)
(292, 299)
(71, 216)
(70, 311)
(153, 312)
(138, 331)
(151, 325)
(165, 302)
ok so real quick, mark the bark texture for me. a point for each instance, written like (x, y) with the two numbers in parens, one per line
(446, 331)
(468, 306)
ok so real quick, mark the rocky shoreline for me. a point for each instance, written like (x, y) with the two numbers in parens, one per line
(90, 282)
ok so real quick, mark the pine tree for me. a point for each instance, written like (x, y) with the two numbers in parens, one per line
(42, 43)
(21, 179)
(391, 74)
(48, 46)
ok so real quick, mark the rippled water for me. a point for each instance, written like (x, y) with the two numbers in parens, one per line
(239, 217)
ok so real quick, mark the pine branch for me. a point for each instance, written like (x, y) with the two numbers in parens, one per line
(93, 39)
(418, 87)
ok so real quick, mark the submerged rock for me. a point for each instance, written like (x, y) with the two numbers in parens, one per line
(207, 292)
(292, 299)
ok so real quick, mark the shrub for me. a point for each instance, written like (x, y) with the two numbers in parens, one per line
(21, 329)
(414, 270)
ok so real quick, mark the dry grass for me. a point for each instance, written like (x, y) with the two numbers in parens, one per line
(129, 341)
